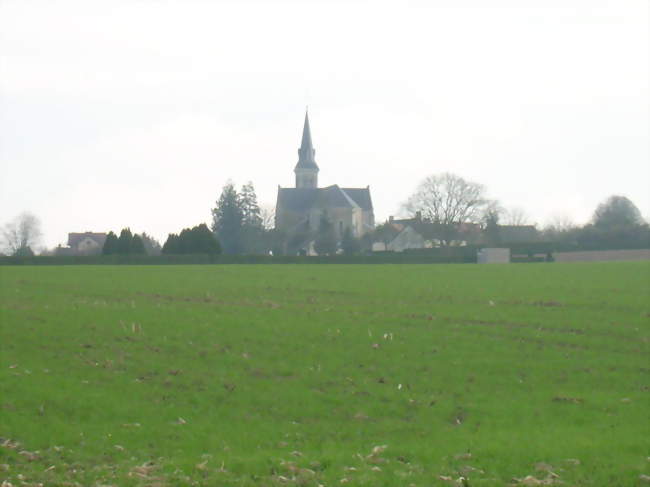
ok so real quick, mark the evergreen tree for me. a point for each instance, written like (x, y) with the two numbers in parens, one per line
(172, 244)
(203, 240)
(184, 245)
(227, 220)
(617, 224)
(253, 232)
(137, 245)
(492, 233)
(616, 211)
(237, 221)
(151, 245)
(349, 243)
(326, 242)
(110, 244)
(124, 241)
(196, 240)
(251, 213)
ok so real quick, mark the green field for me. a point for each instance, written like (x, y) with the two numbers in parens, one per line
(391, 375)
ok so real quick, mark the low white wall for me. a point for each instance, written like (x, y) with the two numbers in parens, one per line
(493, 256)
(602, 255)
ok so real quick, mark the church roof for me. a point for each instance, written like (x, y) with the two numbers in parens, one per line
(303, 199)
(306, 153)
(334, 197)
(361, 196)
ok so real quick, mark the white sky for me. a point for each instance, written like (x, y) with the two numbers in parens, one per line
(136, 113)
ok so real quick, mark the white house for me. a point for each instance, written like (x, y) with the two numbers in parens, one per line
(87, 243)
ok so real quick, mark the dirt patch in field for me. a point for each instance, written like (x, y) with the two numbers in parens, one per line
(568, 330)
(571, 400)
(546, 342)
(209, 300)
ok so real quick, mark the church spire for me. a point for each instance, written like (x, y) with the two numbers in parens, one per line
(306, 170)
(306, 152)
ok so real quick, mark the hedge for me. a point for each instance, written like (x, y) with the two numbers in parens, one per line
(375, 258)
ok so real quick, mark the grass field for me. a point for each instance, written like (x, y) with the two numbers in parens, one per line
(327, 375)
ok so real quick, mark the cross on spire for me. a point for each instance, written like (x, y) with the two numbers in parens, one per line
(306, 152)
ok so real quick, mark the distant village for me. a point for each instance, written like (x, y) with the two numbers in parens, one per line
(445, 211)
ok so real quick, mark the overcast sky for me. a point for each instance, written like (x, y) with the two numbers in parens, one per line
(135, 113)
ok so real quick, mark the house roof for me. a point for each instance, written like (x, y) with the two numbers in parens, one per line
(507, 233)
(432, 231)
(302, 199)
(75, 238)
(306, 153)
(407, 231)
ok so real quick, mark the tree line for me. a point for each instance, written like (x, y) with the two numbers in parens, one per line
(129, 243)
(616, 224)
(446, 202)
(239, 226)
(195, 240)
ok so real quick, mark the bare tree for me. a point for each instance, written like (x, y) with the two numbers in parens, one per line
(560, 228)
(492, 214)
(516, 216)
(267, 213)
(21, 234)
(492, 211)
(447, 199)
(560, 222)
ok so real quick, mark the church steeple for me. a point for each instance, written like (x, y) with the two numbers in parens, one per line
(306, 169)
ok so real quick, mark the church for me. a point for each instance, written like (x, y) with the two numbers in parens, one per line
(299, 210)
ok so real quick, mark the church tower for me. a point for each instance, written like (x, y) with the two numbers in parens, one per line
(306, 170)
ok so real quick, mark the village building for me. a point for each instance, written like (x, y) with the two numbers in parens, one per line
(87, 243)
(417, 233)
(299, 210)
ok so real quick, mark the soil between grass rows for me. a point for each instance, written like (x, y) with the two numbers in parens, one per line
(325, 375)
